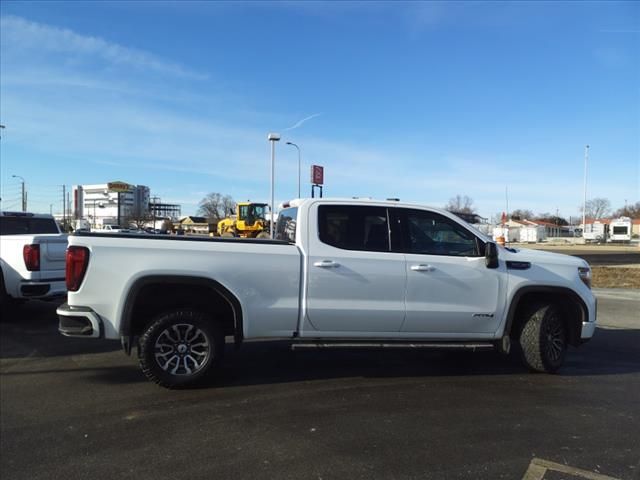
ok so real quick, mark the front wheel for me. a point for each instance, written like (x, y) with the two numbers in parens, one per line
(180, 348)
(543, 339)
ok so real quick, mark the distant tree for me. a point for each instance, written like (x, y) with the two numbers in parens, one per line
(522, 214)
(216, 206)
(138, 221)
(631, 211)
(597, 208)
(461, 204)
(547, 217)
(167, 225)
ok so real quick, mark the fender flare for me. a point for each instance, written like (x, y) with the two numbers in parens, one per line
(522, 291)
(127, 311)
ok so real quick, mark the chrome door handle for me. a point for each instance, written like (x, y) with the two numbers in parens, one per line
(422, 268)
(326, 264)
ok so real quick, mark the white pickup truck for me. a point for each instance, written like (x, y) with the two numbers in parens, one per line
(339, 273)
(32, 257)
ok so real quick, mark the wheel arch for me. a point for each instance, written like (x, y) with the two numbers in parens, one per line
(574, 308)
(136, 300)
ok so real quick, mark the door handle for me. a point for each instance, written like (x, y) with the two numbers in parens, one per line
(422, 268)
(326, 264)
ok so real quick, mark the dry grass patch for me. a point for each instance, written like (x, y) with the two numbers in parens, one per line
(616, 277)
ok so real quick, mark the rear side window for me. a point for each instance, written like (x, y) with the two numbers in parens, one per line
(286, 225)
(354, 227)
(27, 225)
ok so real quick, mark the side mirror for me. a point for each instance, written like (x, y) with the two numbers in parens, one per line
(491, 255)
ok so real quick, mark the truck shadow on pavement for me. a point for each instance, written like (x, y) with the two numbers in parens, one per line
(611, 352)
(32, 332)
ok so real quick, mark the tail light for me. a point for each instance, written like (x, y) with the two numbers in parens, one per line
(77, 261)
(31, 255)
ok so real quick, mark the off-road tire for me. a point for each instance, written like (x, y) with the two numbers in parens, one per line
(263, 235)
(543, 338)
(162, 331)
(228, 234)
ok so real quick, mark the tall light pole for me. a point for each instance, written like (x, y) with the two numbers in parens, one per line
(294, 145)
(584, 203)
(24, 194)
(273, 138)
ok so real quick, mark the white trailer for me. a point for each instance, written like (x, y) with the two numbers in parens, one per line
(533, 234)
(595, 232)
(620, 230)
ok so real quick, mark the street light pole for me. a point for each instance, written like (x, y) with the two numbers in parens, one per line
(273, 138)
(584, 203)
(294, 145)
(24, 196)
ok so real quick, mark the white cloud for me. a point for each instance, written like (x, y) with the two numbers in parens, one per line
(19, 34)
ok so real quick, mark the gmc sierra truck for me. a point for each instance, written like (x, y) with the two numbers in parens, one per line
(347, 273)
(32, 258)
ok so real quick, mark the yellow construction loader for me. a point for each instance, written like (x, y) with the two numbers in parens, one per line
(248, 222)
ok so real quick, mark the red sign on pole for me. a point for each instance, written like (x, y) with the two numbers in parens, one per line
(317, 174)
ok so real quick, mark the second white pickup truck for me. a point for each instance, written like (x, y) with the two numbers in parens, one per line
(339, 273)
(32, 258)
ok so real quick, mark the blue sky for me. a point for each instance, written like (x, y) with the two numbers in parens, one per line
(420, 101)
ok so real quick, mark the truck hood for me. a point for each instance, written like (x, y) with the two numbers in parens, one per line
(541, 257)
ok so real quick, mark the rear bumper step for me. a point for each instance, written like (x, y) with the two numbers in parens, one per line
(79, 322)
(394, 345)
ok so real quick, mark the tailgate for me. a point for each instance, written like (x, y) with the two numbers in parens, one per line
(52, 253)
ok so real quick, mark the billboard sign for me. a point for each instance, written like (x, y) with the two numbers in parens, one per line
(118, 187)
(317, 175)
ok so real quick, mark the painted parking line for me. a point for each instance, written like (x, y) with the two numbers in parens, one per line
(538, 467)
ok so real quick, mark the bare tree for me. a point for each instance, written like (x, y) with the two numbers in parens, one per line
(216, 206)
(631, 211)
(167, 225)
(461, 204)
(597, 208)
(522, 214)
(138, 220)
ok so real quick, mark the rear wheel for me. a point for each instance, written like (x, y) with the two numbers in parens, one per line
(543, 338)
(180, 348)
(228, 233)
(263, 235)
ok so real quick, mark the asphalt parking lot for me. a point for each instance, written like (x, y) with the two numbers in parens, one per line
(73, 409)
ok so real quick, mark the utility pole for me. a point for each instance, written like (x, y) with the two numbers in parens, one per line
(584, 203)
(273, 138)
(506, 196)
(24, 193)
(299, 161)
(64, 206)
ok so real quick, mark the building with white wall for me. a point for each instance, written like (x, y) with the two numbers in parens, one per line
(109, 203)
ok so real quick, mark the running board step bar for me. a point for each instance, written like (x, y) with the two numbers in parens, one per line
(392, 345)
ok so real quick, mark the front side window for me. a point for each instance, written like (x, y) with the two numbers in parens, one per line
(286, 225)
(430, 233)
(354, 227)
(244, 212)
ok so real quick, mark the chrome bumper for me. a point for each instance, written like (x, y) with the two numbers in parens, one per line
(79, 322)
